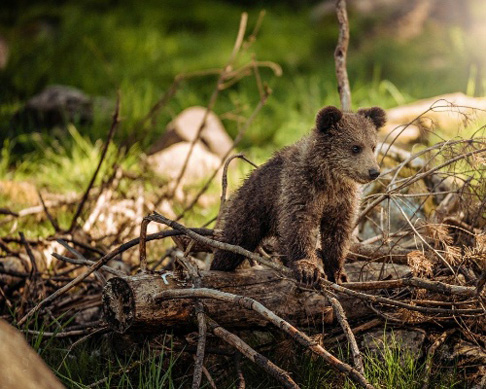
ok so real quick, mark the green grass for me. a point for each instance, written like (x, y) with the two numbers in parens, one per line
(145, 368)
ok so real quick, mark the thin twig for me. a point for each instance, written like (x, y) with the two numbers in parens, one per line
(96, 266)
(430, 355)
(224, 184)
(87, 262)
(111, 132)
(387, 301)
(340, 56)
(276, 372)
(237, 140)
(33, 269)
(412, 180)
(212, 100)
(239, 374)
(156, 217)
(343, 321)
(48, 214)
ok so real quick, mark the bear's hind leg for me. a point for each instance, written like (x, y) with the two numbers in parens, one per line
(249, 239)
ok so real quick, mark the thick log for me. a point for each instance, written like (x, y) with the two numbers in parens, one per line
(128, 302)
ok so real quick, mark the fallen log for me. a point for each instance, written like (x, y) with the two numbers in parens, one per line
(129, 303)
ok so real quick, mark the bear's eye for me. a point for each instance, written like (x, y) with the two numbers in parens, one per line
(374, 148)
(356, 149)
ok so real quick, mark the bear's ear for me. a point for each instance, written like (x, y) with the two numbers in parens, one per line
(376, 114)
(327, 117)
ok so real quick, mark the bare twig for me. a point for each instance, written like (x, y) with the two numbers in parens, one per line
(111, 132)
(387, 301)
(6, 211)
(279, 374)
(156, 217)
(33, 270)
(48, 214)
(224, 184)
(413, 179)
(87, 262)
(239, 374)
(341, 316)
(201, 345)
(433, 286)
(237, 140)
(201, 320)
(213, 98)
(430, 355)
(96, 266)
(340, 56)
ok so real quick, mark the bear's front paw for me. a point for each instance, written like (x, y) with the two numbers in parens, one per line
(306, 271)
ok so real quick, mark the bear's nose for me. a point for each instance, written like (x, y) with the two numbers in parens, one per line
(373, 173)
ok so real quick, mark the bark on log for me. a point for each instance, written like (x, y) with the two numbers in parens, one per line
(128, 302)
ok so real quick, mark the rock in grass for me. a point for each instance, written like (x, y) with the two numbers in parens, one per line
(185, 127)
(58, 105)
(169, 162)
(397, 344)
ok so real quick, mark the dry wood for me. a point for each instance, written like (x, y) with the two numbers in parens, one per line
(111, 132)
(419, 176)
(241, 384)
(390, 302)
(340, 56)
(129, 302)
(270, 316)
(430, 355)
(201, 320)
(343, 321)
(377, 253)
(433, 286)
(276, 372)
(94, 267)
(224, 185)
(48, 214)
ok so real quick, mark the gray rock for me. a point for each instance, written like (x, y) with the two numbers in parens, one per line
(55, 106)
(403, 343)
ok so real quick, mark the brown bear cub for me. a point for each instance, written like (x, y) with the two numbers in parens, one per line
(305, 192)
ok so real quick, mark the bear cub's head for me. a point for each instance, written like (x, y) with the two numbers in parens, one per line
(348, 141)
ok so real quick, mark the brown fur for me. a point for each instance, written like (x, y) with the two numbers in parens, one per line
(304, 191)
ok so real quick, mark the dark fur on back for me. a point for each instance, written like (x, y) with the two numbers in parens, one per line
(304, 191)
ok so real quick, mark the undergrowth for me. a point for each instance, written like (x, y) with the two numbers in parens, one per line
(95, 361)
